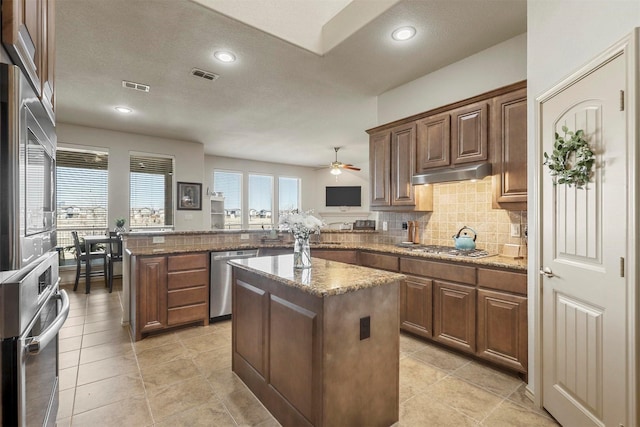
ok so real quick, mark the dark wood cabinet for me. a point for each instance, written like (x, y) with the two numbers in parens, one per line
(416, 295)
(346, 256)
(469, 133)
(454, 315)
(392, 157)
(509, 150)
(380, 169)
(433, 142)
(380, 261)
(169, 291)
(28, 34)
(151, 295)
(403, 157)
(502, 329)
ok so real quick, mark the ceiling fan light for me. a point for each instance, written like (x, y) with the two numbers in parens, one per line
(335, 171)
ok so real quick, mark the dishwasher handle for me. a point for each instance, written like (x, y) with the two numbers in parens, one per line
(234, 256)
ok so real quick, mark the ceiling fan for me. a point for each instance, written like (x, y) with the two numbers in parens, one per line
(336, 166)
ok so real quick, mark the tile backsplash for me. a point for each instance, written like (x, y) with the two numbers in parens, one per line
(455, 205)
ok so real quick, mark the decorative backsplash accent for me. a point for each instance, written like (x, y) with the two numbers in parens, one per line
(455, 205)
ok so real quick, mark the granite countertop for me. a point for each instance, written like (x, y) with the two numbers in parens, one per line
(227, 231)
(491, 261)
(324, 278)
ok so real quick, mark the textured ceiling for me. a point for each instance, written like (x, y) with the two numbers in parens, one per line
(277, 102)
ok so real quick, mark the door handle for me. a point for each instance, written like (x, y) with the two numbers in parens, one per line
(546, 271)
(41, 341)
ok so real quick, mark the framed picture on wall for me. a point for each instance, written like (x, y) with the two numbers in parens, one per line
(189, 196)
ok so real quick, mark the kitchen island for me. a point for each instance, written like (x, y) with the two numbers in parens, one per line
(318, 347)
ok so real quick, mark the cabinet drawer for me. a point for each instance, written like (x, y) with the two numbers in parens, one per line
(503, 280)
(187, 314)
(188, 262)
(438, 270)
(187, 279)
(383, 262)
(190, 296)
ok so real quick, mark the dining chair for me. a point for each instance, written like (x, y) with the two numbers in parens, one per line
(82, 256)
(114, 254)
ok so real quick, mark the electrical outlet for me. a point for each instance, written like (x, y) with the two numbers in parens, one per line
(244, 236)
(365, 327)
(158, 239)
(385, 226)
(515, 230)
(405, 226)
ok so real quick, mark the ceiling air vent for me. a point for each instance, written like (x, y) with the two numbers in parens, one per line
(204, 74)
(136, 86)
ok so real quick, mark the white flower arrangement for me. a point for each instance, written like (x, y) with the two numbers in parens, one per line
(301, 224)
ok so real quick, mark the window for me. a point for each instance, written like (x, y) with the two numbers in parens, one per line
(82, 191)
(230, 185)
(260, 201)
(151, 192)
(288, 194)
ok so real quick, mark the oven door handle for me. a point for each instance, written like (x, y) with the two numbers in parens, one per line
(41, 341)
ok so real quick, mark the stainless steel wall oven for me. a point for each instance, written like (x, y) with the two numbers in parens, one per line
(27, 174)
(32, 311)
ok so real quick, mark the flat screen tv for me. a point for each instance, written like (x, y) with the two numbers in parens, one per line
(344, 196)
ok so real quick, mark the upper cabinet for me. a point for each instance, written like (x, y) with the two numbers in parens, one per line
(509, 125)
(392, 157)
(28, 34)
(491, 127)
(469, 133)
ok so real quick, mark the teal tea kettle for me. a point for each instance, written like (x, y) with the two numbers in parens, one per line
(463, 241)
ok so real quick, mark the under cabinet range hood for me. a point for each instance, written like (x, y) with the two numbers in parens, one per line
(461, 173)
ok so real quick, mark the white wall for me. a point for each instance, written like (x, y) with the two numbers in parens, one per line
(497, 66)
(562, 36)
(188, 165)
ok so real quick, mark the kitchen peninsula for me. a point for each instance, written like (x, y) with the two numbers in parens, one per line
(318, 346)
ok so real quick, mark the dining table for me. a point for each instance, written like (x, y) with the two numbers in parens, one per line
(92, 240)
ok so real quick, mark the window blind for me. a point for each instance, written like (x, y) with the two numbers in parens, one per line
(288, 194)
(82, 193)
(151, 191)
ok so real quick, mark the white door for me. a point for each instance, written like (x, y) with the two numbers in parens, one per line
(584, 315)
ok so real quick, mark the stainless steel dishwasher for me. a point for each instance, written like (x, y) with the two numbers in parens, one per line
(220, 292)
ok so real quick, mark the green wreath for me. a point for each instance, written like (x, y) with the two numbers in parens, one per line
(571, 160)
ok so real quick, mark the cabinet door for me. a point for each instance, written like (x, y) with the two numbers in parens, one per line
(151, 286)
(469, 129)
(22, 36)
(509, 150)
(454, 315)
(403, 158)
(415, 306)
(434, 142)
(502, 329)
(48, 57)
(380, 167)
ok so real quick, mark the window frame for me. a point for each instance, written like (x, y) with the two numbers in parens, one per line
(172, 192)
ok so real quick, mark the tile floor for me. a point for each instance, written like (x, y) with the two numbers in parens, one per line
(184, 378)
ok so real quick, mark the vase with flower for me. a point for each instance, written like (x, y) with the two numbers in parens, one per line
(301, 225)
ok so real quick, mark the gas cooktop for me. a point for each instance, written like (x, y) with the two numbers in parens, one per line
(448, 251)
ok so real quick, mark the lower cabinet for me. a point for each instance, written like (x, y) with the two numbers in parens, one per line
(346, 256)
(454, 315)
(416, 302)
(169, 291)
(502, 329)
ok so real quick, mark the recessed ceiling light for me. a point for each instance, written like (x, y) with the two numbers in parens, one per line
(124, 110)
(225, 56)
(403, 33)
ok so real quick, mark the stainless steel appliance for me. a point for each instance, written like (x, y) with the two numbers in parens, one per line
(32, 311)
(220, 292)
(447, 250)
(27, 174)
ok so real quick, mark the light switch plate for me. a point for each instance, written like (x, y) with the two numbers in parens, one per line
(158, 239)
(515, 230)
(385, 226)
(244, 236)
